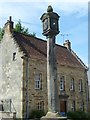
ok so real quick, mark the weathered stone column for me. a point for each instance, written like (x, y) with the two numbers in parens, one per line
(51, 75)
(50, 30)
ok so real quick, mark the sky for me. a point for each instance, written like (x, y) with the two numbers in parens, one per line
(73, 21)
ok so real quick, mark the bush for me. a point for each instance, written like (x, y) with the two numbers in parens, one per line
(36, 114)
(78, 115)
(18, 119)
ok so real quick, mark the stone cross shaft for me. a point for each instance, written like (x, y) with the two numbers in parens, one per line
(51, 75)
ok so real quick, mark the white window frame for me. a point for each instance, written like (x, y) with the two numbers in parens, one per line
(72, 87)
(40, 105)
(62, 83)
(38, 77)
(80, 85)
(73, 105)
(82, 106)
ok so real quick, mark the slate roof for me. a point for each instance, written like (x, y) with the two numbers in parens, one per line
(37, 48)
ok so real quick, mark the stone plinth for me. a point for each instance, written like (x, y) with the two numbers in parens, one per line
(7, 115)
(53, 116)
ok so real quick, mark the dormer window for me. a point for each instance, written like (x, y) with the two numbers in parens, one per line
(14, 56)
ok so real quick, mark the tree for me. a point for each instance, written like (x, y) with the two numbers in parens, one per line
(18, 28)
(21, 29)
(1, 33)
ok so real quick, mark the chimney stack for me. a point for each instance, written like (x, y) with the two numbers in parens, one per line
(67, 44)
(8, 28)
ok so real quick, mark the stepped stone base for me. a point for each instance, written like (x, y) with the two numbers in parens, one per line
(53, 116)
(7, 119)
(7, 115)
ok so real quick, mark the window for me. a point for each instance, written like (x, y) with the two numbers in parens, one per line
(62, 83)
(72, 87)
(14, 56)
(40, 105)
(73, 106)
(80, 86)
(38, 78)
(82, 106)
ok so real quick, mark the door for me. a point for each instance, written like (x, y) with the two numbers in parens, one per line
(63, 107)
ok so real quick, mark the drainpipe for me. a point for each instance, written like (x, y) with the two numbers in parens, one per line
(10, 106)
(27, 97)
(87, 92)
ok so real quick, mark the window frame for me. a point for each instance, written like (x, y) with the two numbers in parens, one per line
(82, 106)
(80, 85)
(62, 83)
(40, 105)
(73, 106)
(72, 84)
(14, 56)
(37, 81)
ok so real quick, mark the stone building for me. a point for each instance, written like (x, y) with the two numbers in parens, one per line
(24, 75)
(89, 100)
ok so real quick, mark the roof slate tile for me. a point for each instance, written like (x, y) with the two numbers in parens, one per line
(37, 48)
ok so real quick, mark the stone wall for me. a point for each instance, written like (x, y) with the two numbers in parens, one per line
(18, 80)
(77, 74)
(37, 95)
(12, 73)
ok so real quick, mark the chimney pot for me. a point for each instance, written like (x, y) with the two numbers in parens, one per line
(67, 44)
(10, 18)
(9, 25)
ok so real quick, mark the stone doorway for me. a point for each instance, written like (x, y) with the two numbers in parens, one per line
(63, 106)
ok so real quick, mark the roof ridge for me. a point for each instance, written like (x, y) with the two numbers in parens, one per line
(28, 35)
(39, 39)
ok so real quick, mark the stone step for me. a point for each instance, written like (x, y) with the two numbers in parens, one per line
(7, 115)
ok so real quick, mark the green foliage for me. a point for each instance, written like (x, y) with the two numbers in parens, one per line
(1, 33)
(18, 119)
(36, 114)
(78, 115)
(18, 28)
(21, 29)
(33, 34)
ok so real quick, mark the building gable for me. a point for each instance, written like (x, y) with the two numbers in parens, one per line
(12, 72)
